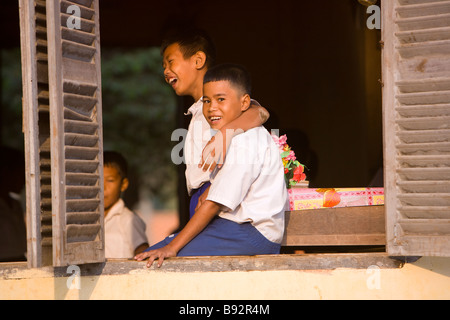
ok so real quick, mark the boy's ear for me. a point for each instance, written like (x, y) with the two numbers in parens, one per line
(245, 102)
(124, 185)
(200, 59)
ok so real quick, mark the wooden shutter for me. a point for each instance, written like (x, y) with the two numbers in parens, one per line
(416, 112)
(63, 132)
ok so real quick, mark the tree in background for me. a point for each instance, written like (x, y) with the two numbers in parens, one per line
(138, 119)
(11, 98)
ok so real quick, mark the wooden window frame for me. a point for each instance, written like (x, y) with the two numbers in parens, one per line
(398, 241)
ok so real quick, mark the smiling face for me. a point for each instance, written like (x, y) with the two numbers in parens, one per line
(222, 103)
(184, 75)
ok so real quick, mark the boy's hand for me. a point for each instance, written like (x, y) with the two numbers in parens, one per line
(215, 151)
(211, 155)
(160, 254)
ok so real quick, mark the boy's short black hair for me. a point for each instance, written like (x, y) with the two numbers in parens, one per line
(234, 73)
(191, 40)
(115, 159)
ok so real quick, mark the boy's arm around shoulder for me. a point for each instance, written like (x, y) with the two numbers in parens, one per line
(255, 116)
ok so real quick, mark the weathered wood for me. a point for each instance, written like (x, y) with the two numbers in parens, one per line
(259, 263)
(418, 23)
(76, 133)
(335, 226)
(416, 108)
(36, 129)
(424, 35)
(423, 9)
(315, 262)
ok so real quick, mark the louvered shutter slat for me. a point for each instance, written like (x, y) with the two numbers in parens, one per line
(85, 217)
(423, 160)
(76, 126)
(421, 137)
(424, 97)
(424, 110)
(73, 50)
(423, 8)
(424, 123)
(88, 166)
(421, 85)
(85, 8)
(81, 178)
(85, 25)
(432, 148)
(73, 115)
(434, 34)
(416, 103)
(79, 103)
(79, 233)
(86, 153)
(429, 186)
(418, 212)
(77, 36)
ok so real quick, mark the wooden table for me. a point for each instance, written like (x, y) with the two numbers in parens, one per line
(349, 226)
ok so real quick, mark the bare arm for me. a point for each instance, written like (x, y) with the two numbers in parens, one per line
(140, 248)
(253, 117)
(198, 222)
(215, 150)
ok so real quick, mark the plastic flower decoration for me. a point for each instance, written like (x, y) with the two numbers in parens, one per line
(293, 170)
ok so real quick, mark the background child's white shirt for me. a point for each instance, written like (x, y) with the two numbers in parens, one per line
(124, 232)
(197, 137)
(251, 184)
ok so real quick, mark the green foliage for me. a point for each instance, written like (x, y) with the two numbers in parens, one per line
(139, 117)
(11, 95)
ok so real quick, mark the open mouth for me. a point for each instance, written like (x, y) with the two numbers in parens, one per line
(215, 119)
(172, 81)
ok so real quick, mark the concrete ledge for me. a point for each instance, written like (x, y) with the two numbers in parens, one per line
(211, 264)
(284, 277)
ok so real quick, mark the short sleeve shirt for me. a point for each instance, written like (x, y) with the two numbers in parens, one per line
(250, 185)
(197, 137)
(124, 232)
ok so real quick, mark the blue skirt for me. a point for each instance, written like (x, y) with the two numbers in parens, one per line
(224, 237)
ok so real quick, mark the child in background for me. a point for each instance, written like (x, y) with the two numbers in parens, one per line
(187, 56)
(124, 230)
(244, 210)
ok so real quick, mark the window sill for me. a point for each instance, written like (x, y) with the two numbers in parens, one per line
(283, 262)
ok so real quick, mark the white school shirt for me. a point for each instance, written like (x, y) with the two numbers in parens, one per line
(250, 184)
(198, 135)
(124, 232)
